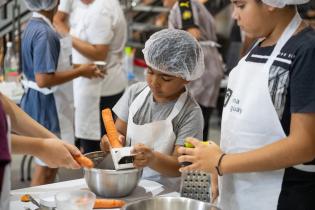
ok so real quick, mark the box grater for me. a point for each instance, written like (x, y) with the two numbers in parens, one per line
(196, 185)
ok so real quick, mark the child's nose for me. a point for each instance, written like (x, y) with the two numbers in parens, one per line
(155, 81)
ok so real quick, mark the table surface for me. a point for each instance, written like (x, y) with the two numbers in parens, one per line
(145, 189)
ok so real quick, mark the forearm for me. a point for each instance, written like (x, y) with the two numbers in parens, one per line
(281, 154)
(88, 50)
(165, 164)
(22, 123)
(26, 145)
(57, 78)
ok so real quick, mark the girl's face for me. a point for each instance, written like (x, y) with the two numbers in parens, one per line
(253, 17)
(164, 87)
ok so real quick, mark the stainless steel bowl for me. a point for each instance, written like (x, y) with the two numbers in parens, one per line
(105, 181)
(169, 203)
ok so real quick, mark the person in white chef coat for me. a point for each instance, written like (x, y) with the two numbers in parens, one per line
(155, 116)
(266, 159)
(99, 33)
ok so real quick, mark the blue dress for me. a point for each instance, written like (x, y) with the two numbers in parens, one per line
(40, 52)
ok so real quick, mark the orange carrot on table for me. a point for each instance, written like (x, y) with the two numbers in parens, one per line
(84, 161)
(108, 203)
(110, 127)
(25, 198)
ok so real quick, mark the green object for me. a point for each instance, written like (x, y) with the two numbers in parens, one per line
(189, 145)
(128, 51)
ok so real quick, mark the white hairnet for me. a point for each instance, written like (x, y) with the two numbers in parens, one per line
(37, 5)
(174, 52)
(283, 3)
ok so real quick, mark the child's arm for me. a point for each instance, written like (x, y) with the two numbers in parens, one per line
(297, 148)
(166, 165)
(59, 77)
(36, 140)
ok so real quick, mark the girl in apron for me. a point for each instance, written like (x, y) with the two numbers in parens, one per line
(266, 159)
(156, 116)
(48, 73)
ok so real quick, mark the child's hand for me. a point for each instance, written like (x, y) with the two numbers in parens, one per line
(204, 157)
(90, 71)
(105, 142)
(143, 155)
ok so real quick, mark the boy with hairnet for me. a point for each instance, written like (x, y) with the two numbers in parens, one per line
(156, 116)
(266, 159)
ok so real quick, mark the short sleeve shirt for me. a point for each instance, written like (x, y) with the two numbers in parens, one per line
(188, 122)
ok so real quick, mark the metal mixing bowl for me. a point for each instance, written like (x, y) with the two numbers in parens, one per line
(169, 203)
(105, 181)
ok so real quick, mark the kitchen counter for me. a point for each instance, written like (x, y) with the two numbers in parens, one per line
(145, 189)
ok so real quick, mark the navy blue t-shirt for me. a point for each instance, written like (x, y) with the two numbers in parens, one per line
(40, 52)
(292, 90)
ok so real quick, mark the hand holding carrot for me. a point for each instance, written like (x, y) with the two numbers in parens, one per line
(105, 145)
(56, 153)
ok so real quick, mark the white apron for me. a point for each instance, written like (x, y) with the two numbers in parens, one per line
(158, 135)
(250, 121)
(63, 93)
(6, 183)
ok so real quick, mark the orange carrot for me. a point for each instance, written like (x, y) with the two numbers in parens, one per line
(110, 127)
(84, 161)
(108, 203)
(25, 198)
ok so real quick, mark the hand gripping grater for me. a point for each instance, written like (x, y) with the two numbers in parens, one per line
(196, 185)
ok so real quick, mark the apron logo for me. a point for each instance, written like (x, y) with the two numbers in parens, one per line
(184, 4)
(187, 15)
(228, 95)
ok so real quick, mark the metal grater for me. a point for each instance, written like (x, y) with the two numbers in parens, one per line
(196, 185)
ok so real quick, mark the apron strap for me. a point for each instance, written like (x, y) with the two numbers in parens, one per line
(178, 105)
(32, 85)
(139, 100)
(286, 35)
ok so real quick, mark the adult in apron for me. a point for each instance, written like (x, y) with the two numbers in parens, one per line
(240, 133)
(63, 94)
(100, 24)
(205, 89)
(158, 135)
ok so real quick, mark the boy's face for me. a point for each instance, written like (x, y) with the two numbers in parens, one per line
(164, 87)
(253, 17)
